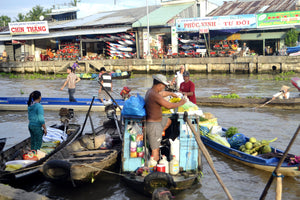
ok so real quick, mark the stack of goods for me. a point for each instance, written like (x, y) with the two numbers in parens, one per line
(136, 141)
(68, 51)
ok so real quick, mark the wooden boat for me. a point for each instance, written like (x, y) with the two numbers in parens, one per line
(86, 157)
(14, 156)
(136, 175)
(292, 103)
(266, 162)
(82, 104)
(2, 143)
(96, 76)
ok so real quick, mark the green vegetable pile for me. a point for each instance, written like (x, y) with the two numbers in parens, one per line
(255, 147)
(228, 96)
(231, 131)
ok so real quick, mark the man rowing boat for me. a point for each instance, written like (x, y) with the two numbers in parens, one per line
(283, 93)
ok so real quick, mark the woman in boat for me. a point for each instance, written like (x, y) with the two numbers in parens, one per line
(283, 93)
(156, 123)
(36, 126)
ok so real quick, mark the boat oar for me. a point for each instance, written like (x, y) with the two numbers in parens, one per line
(264, 104)
(263, 195)
(206, 154)
(109, 95)
(86, 117)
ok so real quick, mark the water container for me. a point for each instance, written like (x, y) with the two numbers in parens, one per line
(165, 162)
(174, 166)
(152, 163)
(175, 147)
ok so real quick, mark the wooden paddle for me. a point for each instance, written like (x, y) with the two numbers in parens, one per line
(206, 154)
(263, 195)
(109, 95)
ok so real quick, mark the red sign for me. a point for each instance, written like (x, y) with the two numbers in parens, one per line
(22, 28)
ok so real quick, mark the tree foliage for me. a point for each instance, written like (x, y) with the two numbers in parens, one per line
(291, 38)
(4, 20)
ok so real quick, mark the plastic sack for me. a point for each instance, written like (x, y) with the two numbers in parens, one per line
(237, 140)
(135, 105)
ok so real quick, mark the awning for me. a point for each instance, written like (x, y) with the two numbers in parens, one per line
(66, 33)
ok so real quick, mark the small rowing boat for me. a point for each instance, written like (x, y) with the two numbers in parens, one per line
(266, 162)
(296, 82)
(82, 104)
(115, 75)
(291, 103)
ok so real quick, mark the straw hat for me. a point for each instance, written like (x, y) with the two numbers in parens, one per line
(161, 78)
(284, 88)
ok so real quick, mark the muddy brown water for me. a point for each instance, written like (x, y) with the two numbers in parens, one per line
(242, 182)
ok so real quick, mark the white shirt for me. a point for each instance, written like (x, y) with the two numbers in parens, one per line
(179, 79)
(281, 96)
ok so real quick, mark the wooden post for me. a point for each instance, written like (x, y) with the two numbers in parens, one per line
(279, 187)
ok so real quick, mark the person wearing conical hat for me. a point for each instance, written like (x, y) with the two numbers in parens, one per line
(283, 93)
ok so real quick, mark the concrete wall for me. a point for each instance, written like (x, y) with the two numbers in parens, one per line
(255, 64)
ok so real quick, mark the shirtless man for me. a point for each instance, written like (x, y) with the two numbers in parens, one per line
(156, 123)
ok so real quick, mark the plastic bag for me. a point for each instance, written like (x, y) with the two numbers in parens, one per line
(237, 140)
(135, 105)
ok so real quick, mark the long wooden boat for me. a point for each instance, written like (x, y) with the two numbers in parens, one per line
(96, 76)
(85, 158)
(135, 169)
(14, 156)
(291, 104)
(82, 104)
(2, 143)
(266, 162)
(296, 82)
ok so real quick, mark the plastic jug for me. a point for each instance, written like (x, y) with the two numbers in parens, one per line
(174, 166)
(165, 162)
(175, 147)
(152, 163)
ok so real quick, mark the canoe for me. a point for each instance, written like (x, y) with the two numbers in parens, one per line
(14, 156)
(2, 143)
(292, 103)
(135, 165)
(96, 76)
(266, 162)
(296, 82)
(85, 158)
(82, 104)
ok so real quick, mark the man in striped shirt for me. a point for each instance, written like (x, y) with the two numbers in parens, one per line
(105, 79)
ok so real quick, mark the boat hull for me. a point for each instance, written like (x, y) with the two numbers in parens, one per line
(252, 161)
(54, 104)
(16, 152)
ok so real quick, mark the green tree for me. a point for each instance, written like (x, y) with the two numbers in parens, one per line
(291, 38)
(74, 2)
(4, 20)
(21, 17)
(35, 13)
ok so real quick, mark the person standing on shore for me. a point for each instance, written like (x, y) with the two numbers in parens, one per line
(72, 79)
(106, 81)
(155, 122)
(36, 126)
(187, 88)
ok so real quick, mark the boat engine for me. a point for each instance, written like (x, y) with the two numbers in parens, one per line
(66, 114)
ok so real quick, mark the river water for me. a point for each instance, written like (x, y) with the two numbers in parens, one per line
(242, 182)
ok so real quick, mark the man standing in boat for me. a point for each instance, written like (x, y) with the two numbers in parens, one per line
(72, 79)
(156, 123)
(106, 81)
(187, 88)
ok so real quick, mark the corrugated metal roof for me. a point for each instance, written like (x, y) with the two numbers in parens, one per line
(66, 33)
(126, 16)
(162, 15)
(253, 7)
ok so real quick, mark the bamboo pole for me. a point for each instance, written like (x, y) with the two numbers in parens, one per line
(264, 194)
(206, 155)
(279, 187)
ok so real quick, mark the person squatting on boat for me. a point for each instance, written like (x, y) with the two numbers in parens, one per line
(36, 126)
(75, 66)
(283, 93)
(187, 88)
(155, 122)
(72, 79)
(106, 81)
